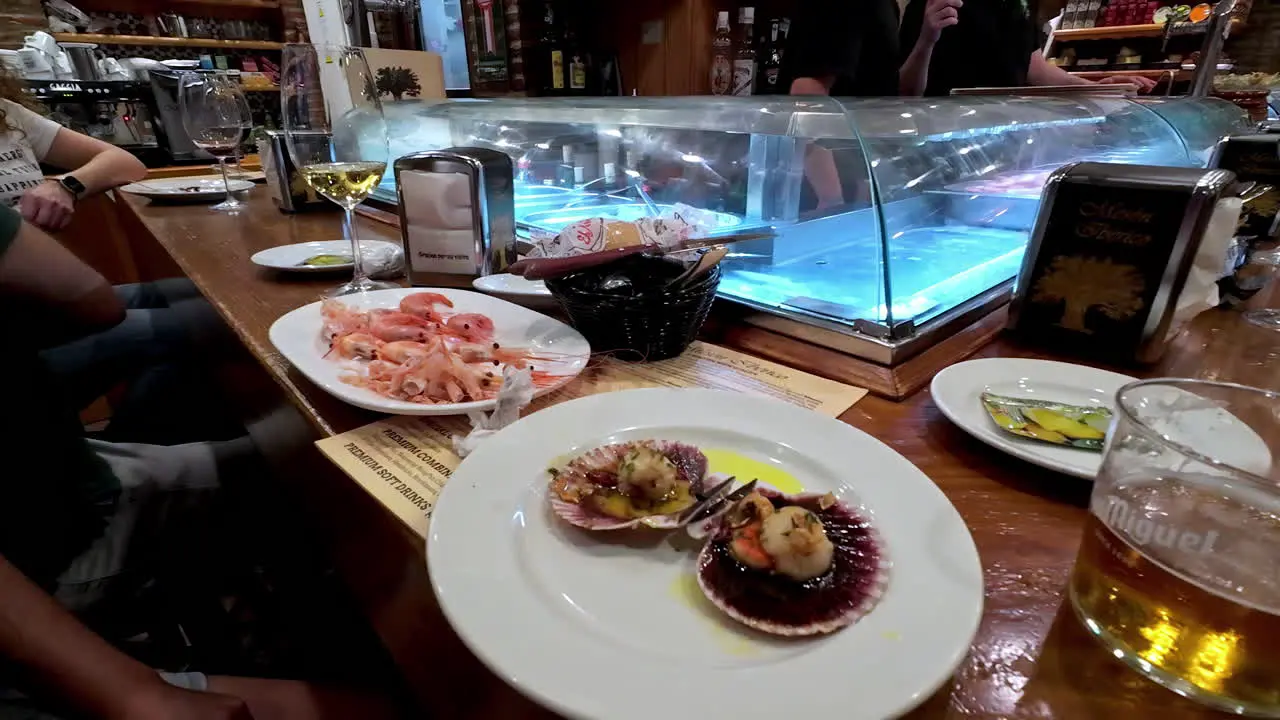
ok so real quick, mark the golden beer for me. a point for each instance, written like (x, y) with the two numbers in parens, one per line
(1181, 580)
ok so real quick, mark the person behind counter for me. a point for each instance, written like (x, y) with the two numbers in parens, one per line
(953, 44)
(27, 139)
(847, 48)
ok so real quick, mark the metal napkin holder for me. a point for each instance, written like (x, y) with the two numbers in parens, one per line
(1110, 255)
(1255, 158)
(492, 191)
(289, 190)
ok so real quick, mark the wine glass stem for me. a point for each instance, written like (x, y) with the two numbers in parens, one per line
(357, 262)
(226, 183)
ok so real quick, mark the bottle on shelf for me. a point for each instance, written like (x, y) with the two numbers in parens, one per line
(551, 53)
(575, 60)
(722, 56)
(771, 67)
(744, 55)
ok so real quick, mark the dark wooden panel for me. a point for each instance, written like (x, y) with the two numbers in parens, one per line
(97, 237)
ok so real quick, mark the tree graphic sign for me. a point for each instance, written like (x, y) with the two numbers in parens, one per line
(397, 82)
(1082, 284)
(1099, 268)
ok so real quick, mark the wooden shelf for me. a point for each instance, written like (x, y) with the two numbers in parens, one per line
(1153, 74)
(1127, 31)
(1113, 31)
(168, 41)
(261, 4)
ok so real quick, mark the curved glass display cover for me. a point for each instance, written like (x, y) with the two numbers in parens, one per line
(888, 212)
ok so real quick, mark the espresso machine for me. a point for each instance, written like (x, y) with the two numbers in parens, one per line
(121, 112)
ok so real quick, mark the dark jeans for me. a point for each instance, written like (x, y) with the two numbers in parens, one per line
(160, 353)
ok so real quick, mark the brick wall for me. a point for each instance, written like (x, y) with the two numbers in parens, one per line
(1256, 47)
(19, 18)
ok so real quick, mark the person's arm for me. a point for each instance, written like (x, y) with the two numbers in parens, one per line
(96, 164)
(825, 42)
(812, 85)
(60, 656)
(55, 296)
(937, 15)
(1042, 72)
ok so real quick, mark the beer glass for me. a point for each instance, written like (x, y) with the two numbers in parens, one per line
(1179, 569)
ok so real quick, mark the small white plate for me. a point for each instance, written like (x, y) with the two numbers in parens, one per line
(613, 628)
(297, 336)
(186, 189)
(957, 391)
(531, 293)
(289, 258)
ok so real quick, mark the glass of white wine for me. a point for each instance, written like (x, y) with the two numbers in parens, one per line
(213, 113)
(336, 134)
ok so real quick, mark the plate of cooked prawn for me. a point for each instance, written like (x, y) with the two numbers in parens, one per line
(416, 351)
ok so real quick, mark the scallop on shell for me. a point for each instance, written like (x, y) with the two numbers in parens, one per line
(574, 483)
(779, 605)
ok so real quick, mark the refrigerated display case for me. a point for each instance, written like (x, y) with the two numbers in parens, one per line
(894, 217)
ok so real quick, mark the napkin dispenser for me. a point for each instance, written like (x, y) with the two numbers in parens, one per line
(1121, 255)
(1255, 158)
(288, 189)
(457, 214)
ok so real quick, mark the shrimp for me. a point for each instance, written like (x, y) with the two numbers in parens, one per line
(746, 547)
(473, 327)
(357, 345)
(341, 320)
(403, 352)
(495, 353)
(441, 376)
(423, 305)
(392, 326)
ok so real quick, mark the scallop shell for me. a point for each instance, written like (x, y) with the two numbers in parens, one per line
(779, 606)
(688, 459)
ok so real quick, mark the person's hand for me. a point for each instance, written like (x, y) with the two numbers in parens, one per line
(166, 702)
(48, 206)
(939, 15)
(1144, 83)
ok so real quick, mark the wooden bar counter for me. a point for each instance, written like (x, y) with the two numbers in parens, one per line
(1030, 658)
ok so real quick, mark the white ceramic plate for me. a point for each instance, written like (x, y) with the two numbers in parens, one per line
(297, 336)
(533, 293)
(613, 628)
(957, 389)
(289, 258)
(186, 189)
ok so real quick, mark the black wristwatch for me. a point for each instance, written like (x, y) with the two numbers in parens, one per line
(73, 186)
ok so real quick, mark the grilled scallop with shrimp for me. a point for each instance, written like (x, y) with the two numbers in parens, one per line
(637, 484)
(793, 564)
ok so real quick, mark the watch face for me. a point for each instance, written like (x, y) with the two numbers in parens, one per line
(75, 186)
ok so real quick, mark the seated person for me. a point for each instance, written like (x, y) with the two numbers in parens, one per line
(166, 322)
(27, 139)
(951, 44)
(71, 520)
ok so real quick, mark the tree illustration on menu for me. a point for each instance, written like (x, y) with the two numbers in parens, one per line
(398, 82)
(1082, 283)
